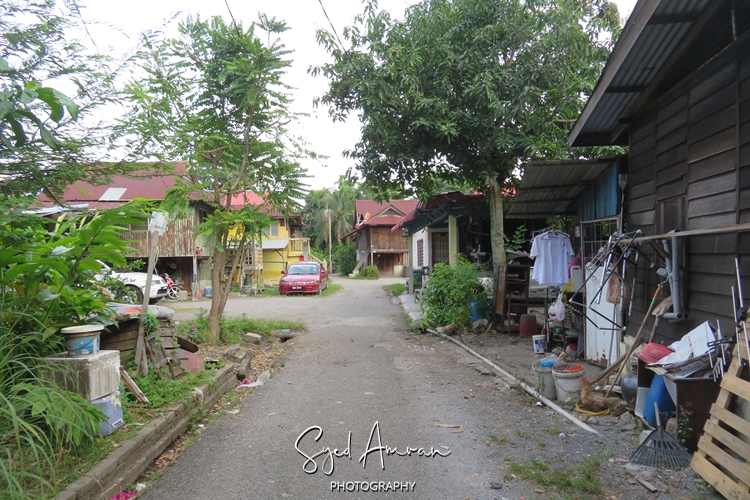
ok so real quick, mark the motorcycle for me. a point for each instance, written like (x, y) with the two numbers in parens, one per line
(173, 288)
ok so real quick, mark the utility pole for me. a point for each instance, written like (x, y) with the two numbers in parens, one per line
(330, 243)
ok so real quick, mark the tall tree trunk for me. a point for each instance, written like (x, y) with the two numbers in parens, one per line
(495, 194)
(217, 271)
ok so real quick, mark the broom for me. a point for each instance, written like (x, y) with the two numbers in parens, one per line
(661, 449)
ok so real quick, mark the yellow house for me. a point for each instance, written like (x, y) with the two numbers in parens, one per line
(281, 245)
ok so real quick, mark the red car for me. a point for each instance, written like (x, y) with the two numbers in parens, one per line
(303, 277)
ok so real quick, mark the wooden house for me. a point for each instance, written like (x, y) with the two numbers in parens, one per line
(676, 91)
(443, 227)
(376, 244)
(282, 243)
(182, 251)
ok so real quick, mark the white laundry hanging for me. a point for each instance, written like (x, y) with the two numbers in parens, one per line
(552, 252)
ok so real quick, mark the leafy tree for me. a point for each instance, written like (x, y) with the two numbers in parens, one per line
(215, 97)
(464, 91)
(346, 258)
(47, 140)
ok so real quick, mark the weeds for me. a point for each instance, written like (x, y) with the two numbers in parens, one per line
(502, 440)
(233, 329)
(553, 431)
(582, 478)
(396, 288)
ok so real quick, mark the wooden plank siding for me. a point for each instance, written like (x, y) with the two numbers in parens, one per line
(689, 165)
(179, 240)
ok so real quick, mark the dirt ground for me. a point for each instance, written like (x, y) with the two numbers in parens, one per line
(508, 446)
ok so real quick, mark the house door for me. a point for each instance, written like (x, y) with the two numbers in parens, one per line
(439, 248)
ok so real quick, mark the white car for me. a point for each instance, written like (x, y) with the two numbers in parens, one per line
(137, 283)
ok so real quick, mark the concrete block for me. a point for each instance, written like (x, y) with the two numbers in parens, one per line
(93, 376)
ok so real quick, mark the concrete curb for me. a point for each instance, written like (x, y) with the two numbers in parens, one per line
(124, 465)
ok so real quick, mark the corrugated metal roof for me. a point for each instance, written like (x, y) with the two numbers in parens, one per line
(274, 243)
(142, 184)
(655, 29)
(552, 188)
(113, 194)
(374, 207)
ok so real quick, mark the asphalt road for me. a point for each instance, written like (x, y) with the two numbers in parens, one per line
(358, 381)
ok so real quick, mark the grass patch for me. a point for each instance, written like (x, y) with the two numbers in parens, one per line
(331, 289)
(521, 433)
(554, 430)
(501, 440)
(269, 291)
(582, 478)
(233, 329)
(396, 288)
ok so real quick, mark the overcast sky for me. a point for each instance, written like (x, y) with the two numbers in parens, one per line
(121, 22)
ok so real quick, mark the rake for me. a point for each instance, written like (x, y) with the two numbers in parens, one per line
(661, 449)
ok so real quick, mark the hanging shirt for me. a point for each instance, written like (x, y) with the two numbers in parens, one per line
(551, 252)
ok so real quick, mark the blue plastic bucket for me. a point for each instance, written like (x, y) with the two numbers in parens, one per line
(209, 292)
(82, 340)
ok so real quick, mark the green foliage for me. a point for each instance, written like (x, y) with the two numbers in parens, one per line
(46, 282)
(450, 292)
(396, 289)
(463, 92)
(515, 242)
(46, 141)
(215, 96)
(233, 329)
(165, 391)
(369, 273)
(336, 205)
(346, 258)
(450, 115)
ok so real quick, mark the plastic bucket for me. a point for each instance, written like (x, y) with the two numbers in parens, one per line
(527, 325)
(540, 343)
(546, 380)
(571, 351)
(82, 340)
(209, 292)
(568, 381)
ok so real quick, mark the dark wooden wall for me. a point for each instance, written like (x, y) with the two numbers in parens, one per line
(689, 168)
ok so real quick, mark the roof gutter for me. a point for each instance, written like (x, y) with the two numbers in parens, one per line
(637, 21)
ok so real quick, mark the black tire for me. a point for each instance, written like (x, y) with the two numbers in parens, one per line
(138, 294)
(173, 293)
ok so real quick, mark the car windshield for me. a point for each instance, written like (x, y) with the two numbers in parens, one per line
(306, 269)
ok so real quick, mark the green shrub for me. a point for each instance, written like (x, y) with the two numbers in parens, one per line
(450, 292)
(345, 258)
(46, 282)
(369, 273)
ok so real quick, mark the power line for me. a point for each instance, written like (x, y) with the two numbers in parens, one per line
(332, 27)
(226, 2)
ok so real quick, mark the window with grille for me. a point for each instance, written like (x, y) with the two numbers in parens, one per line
(439, 248)
(420, 253)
